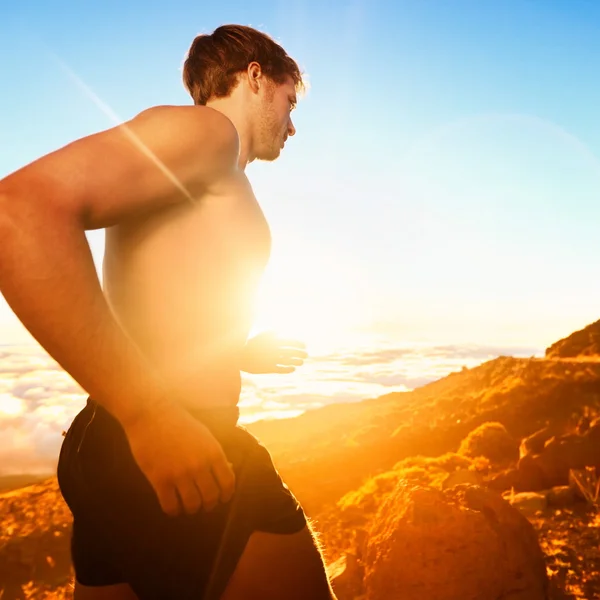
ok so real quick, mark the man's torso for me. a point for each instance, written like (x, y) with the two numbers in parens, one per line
(181, 281)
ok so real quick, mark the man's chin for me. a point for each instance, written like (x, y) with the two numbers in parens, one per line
(270, 156)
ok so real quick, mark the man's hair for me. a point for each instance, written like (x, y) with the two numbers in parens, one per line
(215, 60)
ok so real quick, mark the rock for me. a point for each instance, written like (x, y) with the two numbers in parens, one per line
(529, 503)
(560, 454)
(562, 496)
(567, 452)
(460, 477)
(465, 543)
(346, 576)
(492, 441)
(530, 475)
(551, 467)
(505, 480)
(534, 444)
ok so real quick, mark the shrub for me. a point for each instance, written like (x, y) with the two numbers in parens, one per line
(492, 441)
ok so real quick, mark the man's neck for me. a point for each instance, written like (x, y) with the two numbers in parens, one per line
(226, 108)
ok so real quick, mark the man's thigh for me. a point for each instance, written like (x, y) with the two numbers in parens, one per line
(280, 566)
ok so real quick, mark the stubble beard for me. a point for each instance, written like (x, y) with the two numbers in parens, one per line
(271, 137)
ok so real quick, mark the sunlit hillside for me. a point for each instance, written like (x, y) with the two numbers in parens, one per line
(344, 461)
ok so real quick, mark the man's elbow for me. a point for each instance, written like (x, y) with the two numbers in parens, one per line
(28, 207)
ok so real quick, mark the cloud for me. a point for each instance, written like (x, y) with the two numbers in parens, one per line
(394, 380)
(29, 450)
(38, 401)
(391, 355)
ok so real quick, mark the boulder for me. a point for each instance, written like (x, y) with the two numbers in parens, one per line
(527, 477)
(562, 496)
(465, 543)
(534, 444)
(530, 475)
(461, 477)
(561, 454)
(529, 503)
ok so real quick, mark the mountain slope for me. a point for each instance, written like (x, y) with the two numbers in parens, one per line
(326, 452)
(585, 342)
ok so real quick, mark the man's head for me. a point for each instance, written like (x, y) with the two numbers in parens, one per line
(249, 76)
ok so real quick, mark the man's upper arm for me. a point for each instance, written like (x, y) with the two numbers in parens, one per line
(163, 156)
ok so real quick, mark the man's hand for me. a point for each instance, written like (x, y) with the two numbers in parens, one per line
(182, 460)
(266, 353)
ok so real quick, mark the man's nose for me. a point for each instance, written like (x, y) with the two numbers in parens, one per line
(291, 128)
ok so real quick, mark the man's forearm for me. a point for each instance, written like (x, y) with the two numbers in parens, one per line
(48, 278)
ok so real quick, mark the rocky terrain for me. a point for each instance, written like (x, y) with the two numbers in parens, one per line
(583, 343)
(480, 485)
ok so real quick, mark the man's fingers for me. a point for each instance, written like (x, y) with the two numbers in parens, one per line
(287, 362)
(292, 353)
(168, 499)
(190, 496)
(289, 343)
(222, 471)
(205, 482)
(281, 369)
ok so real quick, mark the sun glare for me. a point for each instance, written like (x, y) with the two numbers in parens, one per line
(311, 295)
(11, 406)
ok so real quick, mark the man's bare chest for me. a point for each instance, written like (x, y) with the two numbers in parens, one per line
(222, 236)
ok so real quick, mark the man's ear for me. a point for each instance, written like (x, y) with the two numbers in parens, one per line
(255, 76)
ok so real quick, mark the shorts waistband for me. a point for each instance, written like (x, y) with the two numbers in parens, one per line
(213, 417)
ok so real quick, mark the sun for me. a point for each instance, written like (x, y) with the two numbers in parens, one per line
(311, 294)
(11, 406)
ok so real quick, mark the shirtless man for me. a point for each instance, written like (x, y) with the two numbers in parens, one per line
(171, 499)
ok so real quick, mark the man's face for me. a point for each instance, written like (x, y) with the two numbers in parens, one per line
(274, 120)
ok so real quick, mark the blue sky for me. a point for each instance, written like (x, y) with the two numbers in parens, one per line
(444, 181)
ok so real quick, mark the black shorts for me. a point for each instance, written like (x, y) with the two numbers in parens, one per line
(120, 533)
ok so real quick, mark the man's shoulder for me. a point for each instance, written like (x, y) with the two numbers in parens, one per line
(195, 119)
(198, 131)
